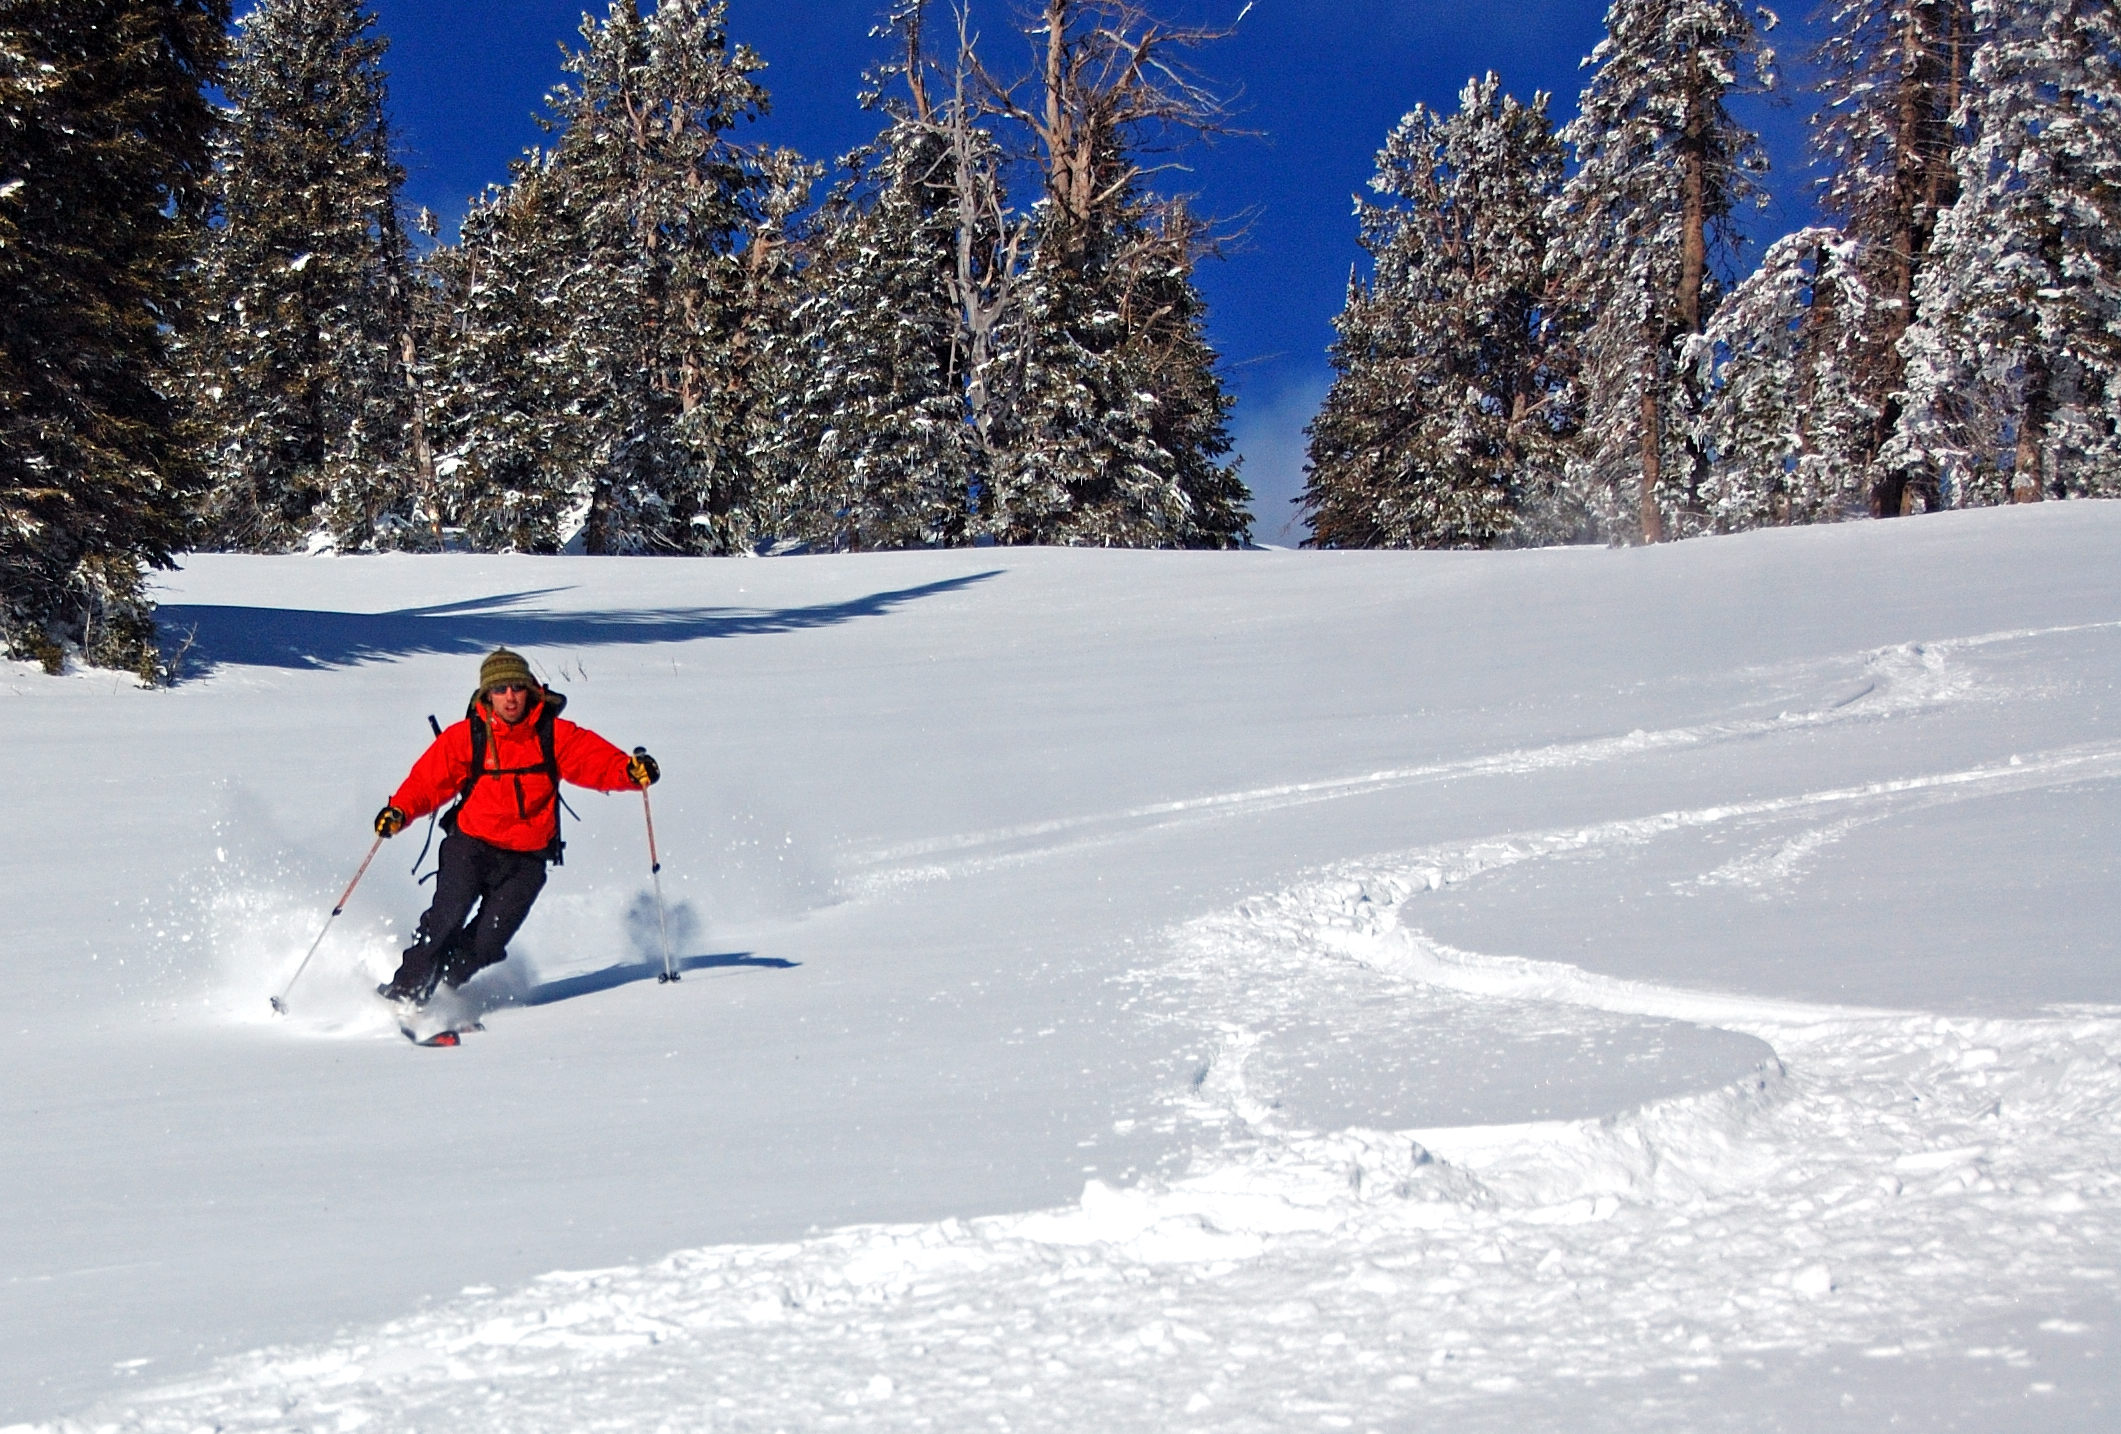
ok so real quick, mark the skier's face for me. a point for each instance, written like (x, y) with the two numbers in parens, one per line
(509, 703)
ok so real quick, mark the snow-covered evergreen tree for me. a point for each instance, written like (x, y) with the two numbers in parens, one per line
(2013, 384)
(1447, 415)
(300, 364)
(1118, 420)
(876, 449)
(739, 413)
(1777, 369)
(509, 443)
(1662, 171)
(104, 129)
(607, 317)
(1893, 76)
(646, 278)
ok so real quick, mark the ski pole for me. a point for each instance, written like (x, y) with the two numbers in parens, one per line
(279, 1002)
(655, 873)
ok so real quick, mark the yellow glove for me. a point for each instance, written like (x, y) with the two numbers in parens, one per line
(642, 768)
(389, 822)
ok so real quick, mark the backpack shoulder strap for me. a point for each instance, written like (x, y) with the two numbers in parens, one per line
(477, 725)
(548, 740)
(548, 747)
(478, 753)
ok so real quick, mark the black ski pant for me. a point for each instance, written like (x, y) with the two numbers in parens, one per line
(450, 948)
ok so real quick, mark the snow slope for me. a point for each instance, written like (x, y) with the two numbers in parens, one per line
(1578, 990)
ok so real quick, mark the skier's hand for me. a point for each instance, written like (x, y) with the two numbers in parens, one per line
(389, 822)
(642, 768)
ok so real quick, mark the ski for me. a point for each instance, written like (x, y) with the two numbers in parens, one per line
(447, 1036)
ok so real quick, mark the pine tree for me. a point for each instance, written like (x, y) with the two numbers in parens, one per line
(876, 447)
(2014, 365)
(606, 314)
(1893, 75)
(647, 278)
(509, 444)
(302, 362)
(739, 417)
(1447, 414)
(103, 151)
(1778, 370)
(1119, 424)
(1663, 169)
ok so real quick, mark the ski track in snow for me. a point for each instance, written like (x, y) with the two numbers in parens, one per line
(1887, 1176)
(1891, 682)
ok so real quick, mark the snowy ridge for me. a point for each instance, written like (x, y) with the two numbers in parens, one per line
(1895, 682)
(1886, 1173)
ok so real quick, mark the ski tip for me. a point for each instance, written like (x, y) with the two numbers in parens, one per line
(279, 1006)
(444, 1038)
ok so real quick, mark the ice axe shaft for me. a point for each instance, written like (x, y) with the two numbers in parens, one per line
(279, 1002)
(655, 874)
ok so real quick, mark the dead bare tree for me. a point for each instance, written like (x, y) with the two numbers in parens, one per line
(1109, 87)
(992, 242)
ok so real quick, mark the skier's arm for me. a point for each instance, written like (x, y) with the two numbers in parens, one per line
(587, 760)
(438, 775)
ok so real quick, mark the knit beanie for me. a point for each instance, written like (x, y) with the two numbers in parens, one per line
(502, 668)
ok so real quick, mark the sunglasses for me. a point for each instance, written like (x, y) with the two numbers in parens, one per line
(508, 687)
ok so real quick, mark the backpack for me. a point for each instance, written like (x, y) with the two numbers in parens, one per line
(549, 764)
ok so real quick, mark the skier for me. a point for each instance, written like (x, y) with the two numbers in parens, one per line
(503, 763)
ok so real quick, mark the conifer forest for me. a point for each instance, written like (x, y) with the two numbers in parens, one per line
(221, 329)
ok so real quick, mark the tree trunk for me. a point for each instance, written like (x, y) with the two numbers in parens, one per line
(1889, 496)
(1652, 516)
(1693, 260)
(1694, 222)
(402, 317)
(1911, 178)
(1931, 72)
(984, 286)
(423, 454)
(689, 376)
(979, 318)
(596, 524)
(2028, 479)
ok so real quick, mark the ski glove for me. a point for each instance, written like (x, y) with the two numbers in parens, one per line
(642, 769)
(389, 822)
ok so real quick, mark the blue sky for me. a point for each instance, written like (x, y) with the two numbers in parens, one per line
(1321, 80)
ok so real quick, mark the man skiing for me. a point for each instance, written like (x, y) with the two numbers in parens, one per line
(503, 763)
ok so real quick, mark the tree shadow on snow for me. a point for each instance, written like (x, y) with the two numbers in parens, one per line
(590, 983)
(216, 635)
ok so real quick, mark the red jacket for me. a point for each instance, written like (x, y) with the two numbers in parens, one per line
(517, 811)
